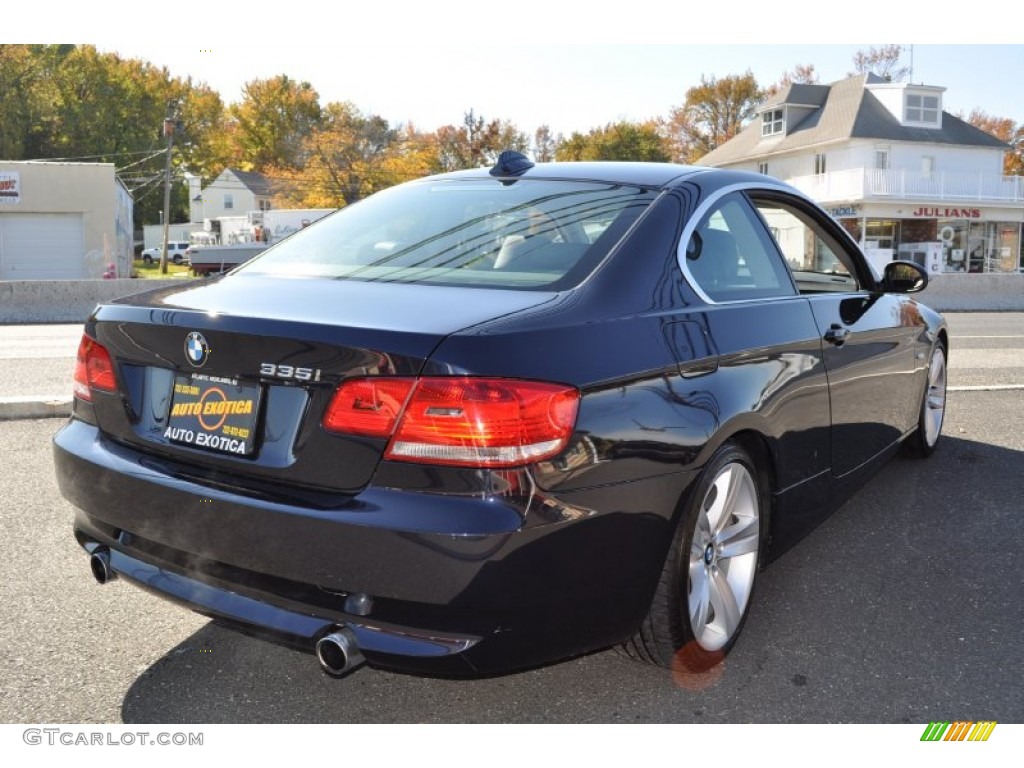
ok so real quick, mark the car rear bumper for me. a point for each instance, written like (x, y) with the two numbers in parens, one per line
(456, 585)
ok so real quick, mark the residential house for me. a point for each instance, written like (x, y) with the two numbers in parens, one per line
(233, 193)
(905, 178)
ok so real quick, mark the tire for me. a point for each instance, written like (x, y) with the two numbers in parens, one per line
(705, 589)
(925, 438)
(147, 259)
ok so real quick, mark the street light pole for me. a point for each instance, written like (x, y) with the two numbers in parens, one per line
(169, 133)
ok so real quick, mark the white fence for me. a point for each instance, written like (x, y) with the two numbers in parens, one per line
(863, 183)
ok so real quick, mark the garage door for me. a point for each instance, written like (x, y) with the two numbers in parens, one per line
(41, 246)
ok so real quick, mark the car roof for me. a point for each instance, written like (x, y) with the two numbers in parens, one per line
(640, 174)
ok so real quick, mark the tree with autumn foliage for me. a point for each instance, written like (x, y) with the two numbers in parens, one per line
(623, 140)
(477, 142)
(348, 157)
(886, 61)
(714, 112)
(545, 144)
(1004, 129)
(802, 74)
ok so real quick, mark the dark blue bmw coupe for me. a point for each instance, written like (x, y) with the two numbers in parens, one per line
(495, 418)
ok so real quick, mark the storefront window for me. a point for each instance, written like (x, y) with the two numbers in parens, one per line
(881, 234)
(953, 236)
(979, 246)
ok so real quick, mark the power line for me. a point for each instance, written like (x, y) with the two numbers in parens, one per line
(140, 162)
(88, 157)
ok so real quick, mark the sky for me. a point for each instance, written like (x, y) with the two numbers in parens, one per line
(569, 87)
(570, 65)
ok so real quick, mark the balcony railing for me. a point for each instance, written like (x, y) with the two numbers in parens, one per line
(864, 183)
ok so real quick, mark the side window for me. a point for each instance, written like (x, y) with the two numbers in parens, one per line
(730, 256)
(817, 262)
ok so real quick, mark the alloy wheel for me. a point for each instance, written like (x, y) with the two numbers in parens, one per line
(723, 556)
(935, 400)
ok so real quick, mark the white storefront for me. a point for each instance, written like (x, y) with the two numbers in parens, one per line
(63, 220)
(961, 238)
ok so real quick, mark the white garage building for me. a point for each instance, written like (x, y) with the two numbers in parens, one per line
(63, 221)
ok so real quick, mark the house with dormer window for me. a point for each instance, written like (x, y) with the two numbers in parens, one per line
(905, 178)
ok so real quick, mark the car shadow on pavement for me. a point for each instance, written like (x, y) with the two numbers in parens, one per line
(904, 606)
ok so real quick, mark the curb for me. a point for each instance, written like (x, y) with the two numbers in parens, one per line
(36, 407)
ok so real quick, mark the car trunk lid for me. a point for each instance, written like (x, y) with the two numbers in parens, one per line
(266, 354)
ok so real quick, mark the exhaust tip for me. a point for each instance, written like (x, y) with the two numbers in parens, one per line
(338, 652)
(99, 564)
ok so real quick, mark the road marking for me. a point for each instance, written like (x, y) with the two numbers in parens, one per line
(986, 388)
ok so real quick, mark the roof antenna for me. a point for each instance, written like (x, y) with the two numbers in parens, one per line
(511, 163)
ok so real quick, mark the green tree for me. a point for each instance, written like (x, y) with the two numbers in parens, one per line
(205, 144)
(28, 107)
(713, 113)
(274, 119)
(616, 141)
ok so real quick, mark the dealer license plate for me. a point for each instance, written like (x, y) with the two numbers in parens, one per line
(213, 413)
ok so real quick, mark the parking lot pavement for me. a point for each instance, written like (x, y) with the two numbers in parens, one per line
(902, 607)
(38, 362)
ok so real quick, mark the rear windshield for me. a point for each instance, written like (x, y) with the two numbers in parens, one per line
(528, 234)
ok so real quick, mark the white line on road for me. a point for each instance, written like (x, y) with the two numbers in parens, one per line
(986, 388)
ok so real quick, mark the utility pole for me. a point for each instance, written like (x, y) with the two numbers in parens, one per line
(169, 124)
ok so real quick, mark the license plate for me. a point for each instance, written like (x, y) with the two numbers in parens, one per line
(215, 414)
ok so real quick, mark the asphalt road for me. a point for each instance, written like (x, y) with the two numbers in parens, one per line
(905, 606)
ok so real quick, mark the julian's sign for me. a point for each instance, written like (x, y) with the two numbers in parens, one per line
(948, 213)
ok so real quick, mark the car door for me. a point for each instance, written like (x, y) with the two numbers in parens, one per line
(764, 335)
(868, 337)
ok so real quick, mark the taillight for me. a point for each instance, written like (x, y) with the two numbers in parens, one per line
(368, 407)
(93, 369)
(463, 421)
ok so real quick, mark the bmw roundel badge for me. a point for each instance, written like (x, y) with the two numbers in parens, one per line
(196, 349)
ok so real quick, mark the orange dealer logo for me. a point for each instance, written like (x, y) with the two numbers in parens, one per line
(213, 403)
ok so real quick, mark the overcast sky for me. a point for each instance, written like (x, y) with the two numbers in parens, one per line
(571, 65)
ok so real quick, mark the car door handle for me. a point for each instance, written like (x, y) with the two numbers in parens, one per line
(837, 335)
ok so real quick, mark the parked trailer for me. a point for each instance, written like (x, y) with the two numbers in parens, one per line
(211, 259)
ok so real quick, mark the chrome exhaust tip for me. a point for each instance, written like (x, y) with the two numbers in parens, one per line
(338, 652)
(99, 564)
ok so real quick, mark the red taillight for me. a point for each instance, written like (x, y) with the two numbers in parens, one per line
(458, 421)
(368, 407)
(93, 370)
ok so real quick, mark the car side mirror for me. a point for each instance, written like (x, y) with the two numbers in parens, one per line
(904, 277)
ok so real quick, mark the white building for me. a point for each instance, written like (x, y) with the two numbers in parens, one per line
(233, 193)
(904, 177)
(221, 210)
(63, 220)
